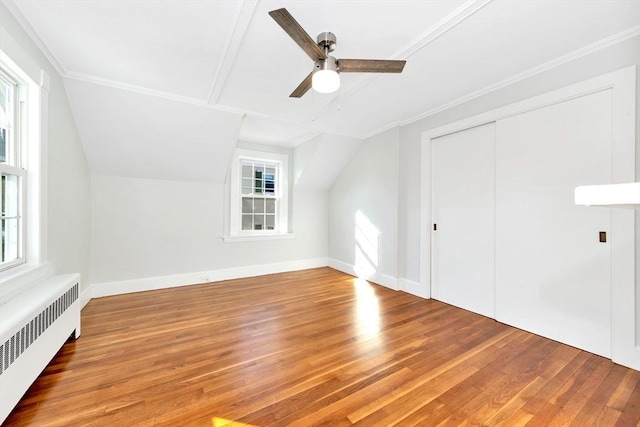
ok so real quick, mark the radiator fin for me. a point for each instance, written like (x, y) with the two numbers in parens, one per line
(18, 343)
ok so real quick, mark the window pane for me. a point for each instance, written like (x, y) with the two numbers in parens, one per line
(247, 205)
(9, 196)
(271, 205)
(9, 249)
(247, 171)
(269, 183)
(247, 186)
(6, 101)
(258, 180)
(258, 222)
(247, 222)
(6, 120)
(3, 145)
(271, 222)
(258, 206)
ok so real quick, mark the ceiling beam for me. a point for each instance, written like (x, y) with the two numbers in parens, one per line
(232, 47)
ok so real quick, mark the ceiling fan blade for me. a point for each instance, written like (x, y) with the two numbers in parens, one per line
(302, 87)
(297, 33)
(370, 66)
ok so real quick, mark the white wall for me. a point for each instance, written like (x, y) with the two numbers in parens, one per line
(66, 174)
(319, 161)
(145, 228)
(69, 191)
(365, 197)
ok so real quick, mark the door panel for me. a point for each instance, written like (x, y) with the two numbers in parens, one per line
(553, 275)
(463, 209)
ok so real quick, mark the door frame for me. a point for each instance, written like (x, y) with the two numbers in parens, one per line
(623, 87)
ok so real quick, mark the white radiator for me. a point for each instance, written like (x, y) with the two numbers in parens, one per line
(34, 324)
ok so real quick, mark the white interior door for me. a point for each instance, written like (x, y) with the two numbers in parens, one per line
(463, 184)
(553, 275)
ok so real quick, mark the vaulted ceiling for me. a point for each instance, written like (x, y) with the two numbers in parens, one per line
(150, 81)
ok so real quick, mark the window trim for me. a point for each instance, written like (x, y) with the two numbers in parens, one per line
(235, 232)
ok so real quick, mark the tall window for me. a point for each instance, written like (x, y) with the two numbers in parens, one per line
(258, 194)
(12, 172)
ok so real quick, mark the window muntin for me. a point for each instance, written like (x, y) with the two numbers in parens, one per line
(12, 174)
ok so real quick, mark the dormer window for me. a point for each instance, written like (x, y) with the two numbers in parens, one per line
(258, 195)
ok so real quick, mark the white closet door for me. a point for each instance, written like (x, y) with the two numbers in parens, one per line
(553, 275)
(463, 210)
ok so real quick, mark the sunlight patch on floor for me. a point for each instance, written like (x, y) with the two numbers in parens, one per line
(223, 422)
(367, 309)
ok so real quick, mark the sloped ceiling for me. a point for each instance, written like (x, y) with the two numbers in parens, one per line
(127, 134)
(151, 81)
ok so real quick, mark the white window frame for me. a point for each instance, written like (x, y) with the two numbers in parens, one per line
(16, 164)
(235, 232)
(34, 85)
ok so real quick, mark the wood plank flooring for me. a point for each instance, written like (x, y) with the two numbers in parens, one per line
(316, 347)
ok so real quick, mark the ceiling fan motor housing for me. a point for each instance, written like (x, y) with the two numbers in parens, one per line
(330, 63)
(326, 41)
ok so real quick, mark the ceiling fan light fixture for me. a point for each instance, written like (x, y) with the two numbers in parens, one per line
(325, 81)
(325, 77)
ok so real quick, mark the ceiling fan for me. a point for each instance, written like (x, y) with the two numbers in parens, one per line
(325, 78)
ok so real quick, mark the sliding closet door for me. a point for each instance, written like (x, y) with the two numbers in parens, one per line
(553, 274)
(463, 214)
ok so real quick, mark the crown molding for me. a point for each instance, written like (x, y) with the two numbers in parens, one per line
(99, 81)
(18, 16)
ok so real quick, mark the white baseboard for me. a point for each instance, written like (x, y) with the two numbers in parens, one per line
(342, 266)
(85, 297)
(413, 288)
(386, 280)
(104, 289)
(379, 278)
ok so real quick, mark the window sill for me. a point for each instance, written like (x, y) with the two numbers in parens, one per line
(15, 280)
(257, 237)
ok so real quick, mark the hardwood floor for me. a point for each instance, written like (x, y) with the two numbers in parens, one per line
(316, 347)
